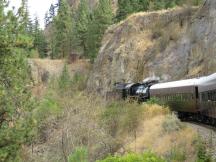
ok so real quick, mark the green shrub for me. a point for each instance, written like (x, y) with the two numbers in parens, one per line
(122, 117)
(64, 79)
(66, 82)
(153, 100)
(172, 123)
(47, 107)
(146, 157)
(79, 81)
(177, 154)
(202, 155)
(79, 155)
(111, 117)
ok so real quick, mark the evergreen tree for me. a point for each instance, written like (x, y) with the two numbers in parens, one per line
(51, 12)
(40, 42)
(52, 42)
(15, 100)
(82, 20)
(124, 8)
(62, 30)
(46, 19)
(23, 16)
(127, 7)
(101, 19)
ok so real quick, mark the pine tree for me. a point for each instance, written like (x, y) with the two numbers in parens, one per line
(40, 42)
(62, 30)
(46, 19)
(23, 16)
(124, 8)
(51, 12)
(15, 100)
(82, 19)
(127, 7)
(100, 20)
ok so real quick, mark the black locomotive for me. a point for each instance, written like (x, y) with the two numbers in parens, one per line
(192, 98)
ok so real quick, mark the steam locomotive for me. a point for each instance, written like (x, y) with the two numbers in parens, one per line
(192, 98)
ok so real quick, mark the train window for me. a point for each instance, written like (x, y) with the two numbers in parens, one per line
(181, 96)
(189, 96)
(205, 96)
(197, 92)
(214, 95)
(202, 96)
(192, 96)
(184, 97)
(209, 95)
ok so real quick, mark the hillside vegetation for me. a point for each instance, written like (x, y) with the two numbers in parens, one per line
(49, 110)
(74, 126)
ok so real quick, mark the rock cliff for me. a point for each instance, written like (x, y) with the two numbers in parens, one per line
(171, 44)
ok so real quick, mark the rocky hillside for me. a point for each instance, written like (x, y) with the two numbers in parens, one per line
(92, 3)
(172, 44)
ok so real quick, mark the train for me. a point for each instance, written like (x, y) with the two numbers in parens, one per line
(193, 99)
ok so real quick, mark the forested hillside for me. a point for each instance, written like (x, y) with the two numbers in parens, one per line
(49, 113)
(79, 30)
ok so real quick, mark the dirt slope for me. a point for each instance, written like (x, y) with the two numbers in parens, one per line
(44, 69)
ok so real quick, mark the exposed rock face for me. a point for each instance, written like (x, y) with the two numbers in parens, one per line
(172, 44)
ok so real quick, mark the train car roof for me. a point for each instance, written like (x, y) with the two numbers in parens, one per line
(175, 84)
(206, 79)
(207, 83)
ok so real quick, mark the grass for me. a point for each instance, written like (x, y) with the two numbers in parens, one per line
(79, 155)
(145, 157)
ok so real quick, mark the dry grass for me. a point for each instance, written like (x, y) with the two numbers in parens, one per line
(152, 111)
(151, 135)
(80, 125)
(55, 67)
(45, 70)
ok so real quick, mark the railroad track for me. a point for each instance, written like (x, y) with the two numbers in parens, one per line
(207, 134)
(210, 127)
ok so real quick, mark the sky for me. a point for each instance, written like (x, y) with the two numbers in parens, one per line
(36, 8)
